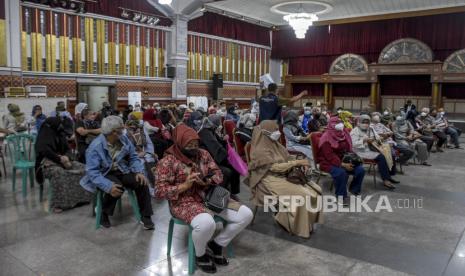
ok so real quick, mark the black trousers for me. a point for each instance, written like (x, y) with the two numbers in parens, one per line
(231, 179)
(429, 141)
(128, 181)
(442, 138)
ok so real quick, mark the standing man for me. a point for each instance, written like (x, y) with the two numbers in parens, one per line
(271, 105)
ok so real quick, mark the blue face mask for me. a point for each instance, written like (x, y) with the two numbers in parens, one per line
(307, 113)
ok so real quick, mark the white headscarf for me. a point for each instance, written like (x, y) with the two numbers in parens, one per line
(79, 108)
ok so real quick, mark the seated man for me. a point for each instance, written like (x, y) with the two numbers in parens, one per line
(112, 165)
(443, 124)
(386, 135)
(87, 130)
(428, 128)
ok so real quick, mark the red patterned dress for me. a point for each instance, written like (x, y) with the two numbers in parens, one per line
(170, 172)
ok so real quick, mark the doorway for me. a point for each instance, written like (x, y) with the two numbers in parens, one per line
(96, 95)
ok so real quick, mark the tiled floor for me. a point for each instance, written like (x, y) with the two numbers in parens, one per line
(426, 241)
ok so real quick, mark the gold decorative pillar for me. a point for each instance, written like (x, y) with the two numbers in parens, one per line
(328, 95)
(436, 95)
(374, 95)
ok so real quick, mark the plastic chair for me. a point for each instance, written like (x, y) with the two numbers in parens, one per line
(98, 207)
(22, 154)
(239, 145)
(372, 165)
(191, 249)
(229, 127)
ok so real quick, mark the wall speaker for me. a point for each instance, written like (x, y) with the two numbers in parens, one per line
(171, 71)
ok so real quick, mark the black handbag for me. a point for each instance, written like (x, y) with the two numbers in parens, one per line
(217, 198)
(296, 175)
(353, 159)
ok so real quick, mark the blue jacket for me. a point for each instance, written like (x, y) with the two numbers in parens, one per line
(99, 163)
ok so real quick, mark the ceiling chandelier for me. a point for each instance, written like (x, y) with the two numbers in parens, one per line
(300, 22)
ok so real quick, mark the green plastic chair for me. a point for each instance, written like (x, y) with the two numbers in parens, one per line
(98, 207)
(22, 155)
(191, 249)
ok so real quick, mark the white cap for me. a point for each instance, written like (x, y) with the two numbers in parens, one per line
(183, 106)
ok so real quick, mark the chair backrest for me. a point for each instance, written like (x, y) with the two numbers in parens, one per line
(21, 147)
(229, 127)
(238, 144)
(315, 141)
(247, 152)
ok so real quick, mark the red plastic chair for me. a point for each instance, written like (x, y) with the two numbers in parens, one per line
(239, 145)
(315, 141)
(229, 127)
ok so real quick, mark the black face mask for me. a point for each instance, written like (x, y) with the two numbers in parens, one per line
(190, 152)
(317, 116)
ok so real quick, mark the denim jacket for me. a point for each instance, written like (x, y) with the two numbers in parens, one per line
(99, 163)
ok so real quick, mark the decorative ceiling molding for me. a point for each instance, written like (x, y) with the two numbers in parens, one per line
(406, 50)
(455, 63)
(307, 5)
(349, 64)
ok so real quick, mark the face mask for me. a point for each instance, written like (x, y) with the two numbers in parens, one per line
(386, 113)
(423, 114)
(307, 113)
(375, 119)
(364, 126)
(317, 116)
(275, 135)
(324, 113)
(442, 113)
(253, 118)
(339, 126)
(190, 152)
(339, 111)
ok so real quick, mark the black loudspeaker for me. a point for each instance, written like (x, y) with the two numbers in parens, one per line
(170, 71)
(217, 86)
(218, 80)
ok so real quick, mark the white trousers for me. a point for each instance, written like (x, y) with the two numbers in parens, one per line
(204, 227)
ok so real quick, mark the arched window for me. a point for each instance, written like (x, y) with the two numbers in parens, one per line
(406, 50)
(349, 64)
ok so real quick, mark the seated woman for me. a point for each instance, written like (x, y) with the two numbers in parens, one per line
(306, 118)
(154, 127)
(334, 143)
(362, 136)
(269, 162)
(36, 120)
(346, 118)
(231, 114)
(296, 138)
(143, 145)
(53, 163)
(15, 120)
(316, 123)
(182, 177)
(168, 120)
(245, 127)
(87, 129)
(405, 135)
(210, 141)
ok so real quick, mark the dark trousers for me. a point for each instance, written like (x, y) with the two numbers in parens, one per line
(82, 152)
(231, 179)
(454, 135)
(442, 138)
(429, 141)
(341, 176)
(128, 181)
(383, 167)
(405, 153)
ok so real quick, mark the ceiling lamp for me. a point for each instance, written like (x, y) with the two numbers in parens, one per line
(300, 22)
(165, 2)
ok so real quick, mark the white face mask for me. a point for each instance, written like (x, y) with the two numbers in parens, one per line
(275, 135)
(339, 111)
(253, 118)
(324, 112)
(364, 126)
(339, 126)
(386, 113)
(442, 113)
(423, 114)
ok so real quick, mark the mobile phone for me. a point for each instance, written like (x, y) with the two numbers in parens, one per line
(210, 175)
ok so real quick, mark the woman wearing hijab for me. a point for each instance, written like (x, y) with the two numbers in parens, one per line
(78, 111)
(143, 145)
(154, 127)
(216, 146)
(269, 162)
(127, 111)
(245, 127)
(306, 118)
(405, 135)
(53, 163)
(296, 138)
(87, 129)
(36, 120)
(362, 136)
(334, 143)
(182, 176)
(231, 114)
(15, 120)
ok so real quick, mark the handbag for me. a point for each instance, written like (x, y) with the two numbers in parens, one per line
(217, 198)
(353, 159)
(236, 161)
(296, 175)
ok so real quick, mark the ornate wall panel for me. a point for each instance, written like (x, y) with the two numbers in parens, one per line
(406, 50)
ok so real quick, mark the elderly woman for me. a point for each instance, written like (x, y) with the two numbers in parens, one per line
(78, 111)
(216, 146)
(405, 135)
(245, 127)
(296, 138)
(362, 136)
(334, 143)
(112, 165)
(15, 120)
(53, 163)
(346, 118)
(182, 176)
(269, 163)
(306, 117)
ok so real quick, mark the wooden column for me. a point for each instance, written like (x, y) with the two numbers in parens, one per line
(374, 95)
(328, 94)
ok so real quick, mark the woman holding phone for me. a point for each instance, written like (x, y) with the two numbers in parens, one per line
(182, 177)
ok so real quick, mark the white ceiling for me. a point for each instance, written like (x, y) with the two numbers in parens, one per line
(260, 9)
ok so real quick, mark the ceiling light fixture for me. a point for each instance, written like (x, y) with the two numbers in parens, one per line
(165, 2)
(300, 22)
